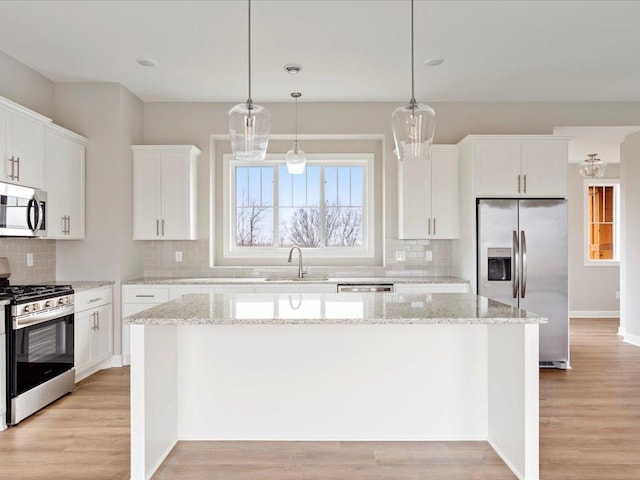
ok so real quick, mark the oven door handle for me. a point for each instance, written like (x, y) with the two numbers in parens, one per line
(29, 320)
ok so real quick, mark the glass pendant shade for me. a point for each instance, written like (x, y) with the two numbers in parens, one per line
(413, 128)
(249, 126)
(593, 167)
(296, 161)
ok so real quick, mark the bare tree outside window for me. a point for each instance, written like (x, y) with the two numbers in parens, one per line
(252, 225)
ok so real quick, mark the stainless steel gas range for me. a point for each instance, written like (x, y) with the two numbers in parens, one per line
(39, 343)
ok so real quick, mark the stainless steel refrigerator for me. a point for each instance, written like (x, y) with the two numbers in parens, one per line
(522, 261)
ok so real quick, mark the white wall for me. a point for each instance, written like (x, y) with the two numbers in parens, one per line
(25, 86)
(630, 265)
(591, 289)
(112, 119)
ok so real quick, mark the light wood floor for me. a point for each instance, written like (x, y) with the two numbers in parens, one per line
(589, 430)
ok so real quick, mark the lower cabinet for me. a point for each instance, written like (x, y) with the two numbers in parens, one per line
(93, 331)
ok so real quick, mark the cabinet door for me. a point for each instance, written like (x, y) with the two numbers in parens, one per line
(414, 198)
(544, 169)
(5, 145)
(83, 337)
(176, 191)
(28, 139)
(147, 196)
(445, 221)
(54, 184)
(74, 189)
(497, 167)
(103, 333)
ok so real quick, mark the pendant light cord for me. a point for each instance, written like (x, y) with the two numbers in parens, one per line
(296, 142)
(249, 101)
(413, 96)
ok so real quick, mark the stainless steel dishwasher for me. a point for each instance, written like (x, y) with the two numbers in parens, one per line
(365, 287)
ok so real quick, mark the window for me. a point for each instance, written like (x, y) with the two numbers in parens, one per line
(326, 209)
(602, 225)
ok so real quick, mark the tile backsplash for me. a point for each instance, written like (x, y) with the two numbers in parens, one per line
(44, 259)
(159, 260)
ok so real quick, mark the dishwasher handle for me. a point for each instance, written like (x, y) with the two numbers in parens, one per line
(386, 288)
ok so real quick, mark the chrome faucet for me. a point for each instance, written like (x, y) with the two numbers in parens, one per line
(301, 269)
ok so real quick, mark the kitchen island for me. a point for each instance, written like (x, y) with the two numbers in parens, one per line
(312, 366)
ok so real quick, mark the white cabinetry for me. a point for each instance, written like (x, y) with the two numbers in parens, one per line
(93, 331)
(21, 144)
(428, 195)
(64, 167)
(506, 166)
(165, 192)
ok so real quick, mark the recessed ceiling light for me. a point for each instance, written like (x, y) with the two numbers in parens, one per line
(434, 62)
(147, 62)
(293, 68)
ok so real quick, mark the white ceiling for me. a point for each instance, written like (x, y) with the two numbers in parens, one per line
(605, 141)
(351, 50)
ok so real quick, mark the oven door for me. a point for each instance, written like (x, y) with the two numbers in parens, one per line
(39, 352)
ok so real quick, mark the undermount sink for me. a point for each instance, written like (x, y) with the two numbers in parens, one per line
(296, 279)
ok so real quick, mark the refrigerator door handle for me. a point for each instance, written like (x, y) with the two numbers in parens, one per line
(516, 260)
(523, 248)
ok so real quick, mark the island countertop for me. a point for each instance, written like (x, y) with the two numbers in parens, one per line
(330, 308)
(283, 278)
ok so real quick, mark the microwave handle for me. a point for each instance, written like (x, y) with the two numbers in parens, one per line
(30, 205)
(39, 214)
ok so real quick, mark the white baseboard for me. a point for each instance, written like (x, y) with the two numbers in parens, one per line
(632, 339)
(594, 314)
(622, 331)
(116, 361)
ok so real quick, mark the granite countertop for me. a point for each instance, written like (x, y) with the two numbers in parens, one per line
(282, 279)
(331, 308)
(81, 285)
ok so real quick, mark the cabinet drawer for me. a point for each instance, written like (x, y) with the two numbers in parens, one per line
(145, 295)
(93, 298)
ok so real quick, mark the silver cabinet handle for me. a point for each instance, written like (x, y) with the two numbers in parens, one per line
(163, 227)
(157, 227)
(98, 320)
(93, 321)
(434, 226)
(68, 224)
(516, 260)
(18, 169)
(145, 296)
(518, 183)
(95, 300)
(525, 183)
(523, 248)
(13, 167)
(429, 226)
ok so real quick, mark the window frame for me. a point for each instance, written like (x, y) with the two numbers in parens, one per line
(231, 250)
(610, 182)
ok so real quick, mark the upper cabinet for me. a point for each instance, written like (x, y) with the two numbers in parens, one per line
(64, 167)
(21, 144)
(165, 192)
(518, 166)
(428, 195)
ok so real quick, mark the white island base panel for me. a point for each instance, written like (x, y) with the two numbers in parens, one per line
(335, 382)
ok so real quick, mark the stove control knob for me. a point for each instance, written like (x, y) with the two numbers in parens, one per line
(48, 304)
(26, 309)
(63, 301)
(35, 307)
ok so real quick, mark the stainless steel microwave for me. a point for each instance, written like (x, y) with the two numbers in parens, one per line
(23, 211)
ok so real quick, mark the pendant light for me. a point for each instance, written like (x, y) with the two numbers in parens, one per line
(296, 158)
(592, 167)
(413, 124)
(249, 124)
